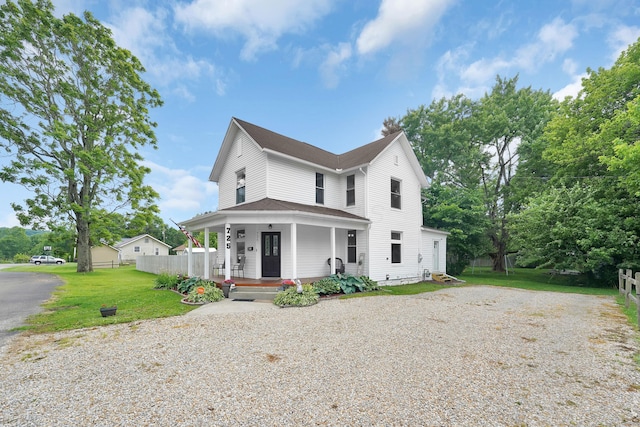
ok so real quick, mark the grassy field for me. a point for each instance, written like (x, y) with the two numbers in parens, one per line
(77, 303)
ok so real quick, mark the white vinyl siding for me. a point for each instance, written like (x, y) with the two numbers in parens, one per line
(253, 161)
(385, 219)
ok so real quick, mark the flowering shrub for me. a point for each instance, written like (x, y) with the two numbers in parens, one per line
(205, 292)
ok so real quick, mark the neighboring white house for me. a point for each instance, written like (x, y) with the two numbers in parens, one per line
(143, 244)
(288, 208)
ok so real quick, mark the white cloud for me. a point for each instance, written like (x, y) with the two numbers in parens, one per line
(333, 64)
(260, 23)
(180, 191)
(572, 89)
(146, 35)
(621, 38)
(401, 21)
(552, 40)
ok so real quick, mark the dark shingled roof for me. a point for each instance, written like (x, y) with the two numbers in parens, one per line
(301, 150)
(268, 204)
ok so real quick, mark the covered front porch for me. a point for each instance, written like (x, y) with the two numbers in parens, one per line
(267, 241)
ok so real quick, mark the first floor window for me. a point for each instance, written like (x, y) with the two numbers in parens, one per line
(240, 179)
(157, 251)
(136, 249)
(396, 247)
(351, 246)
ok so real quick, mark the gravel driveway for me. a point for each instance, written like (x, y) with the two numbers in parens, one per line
(457, 357)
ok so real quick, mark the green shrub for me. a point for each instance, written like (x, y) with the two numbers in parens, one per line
(185, 285)
(21, 258)
(291, 297)
(326, 286)
(166, 281)
(348, 283)
(369, 284)
(205, 291)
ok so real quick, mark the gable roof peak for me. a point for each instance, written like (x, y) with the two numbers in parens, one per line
(282, 144)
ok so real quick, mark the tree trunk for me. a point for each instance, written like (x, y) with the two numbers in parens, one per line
(498, 256)
(85, 263)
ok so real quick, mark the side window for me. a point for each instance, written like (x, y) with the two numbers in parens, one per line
(396, 247)
(351, 246)
(240, 183)
(136, 249)
(351, 190)
(157, 251)
(395, 194)
(320, 188)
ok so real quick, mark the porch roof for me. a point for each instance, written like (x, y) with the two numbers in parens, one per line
(269, 210)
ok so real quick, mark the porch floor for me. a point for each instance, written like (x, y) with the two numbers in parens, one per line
(271, 281)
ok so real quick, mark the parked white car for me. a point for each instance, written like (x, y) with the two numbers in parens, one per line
(46, 259)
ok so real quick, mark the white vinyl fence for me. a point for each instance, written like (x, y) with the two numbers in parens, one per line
(174, 264)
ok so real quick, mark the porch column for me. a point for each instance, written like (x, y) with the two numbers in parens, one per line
(294, 250)
(333, 250)
(206, 253)
(190, 259)
(227, 252)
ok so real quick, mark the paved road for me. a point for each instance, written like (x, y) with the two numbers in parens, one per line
(20, 296)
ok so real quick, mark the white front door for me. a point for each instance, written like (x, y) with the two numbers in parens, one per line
(436, 255)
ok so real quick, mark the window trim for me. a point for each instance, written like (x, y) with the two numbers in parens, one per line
(351, 190)
(398, 194)
(320, 189)
(241, 184)
(396, 242)
(352, 246)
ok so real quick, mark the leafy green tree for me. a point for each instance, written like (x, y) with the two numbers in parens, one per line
(473, 146)
(578, 228)
(461, 212)
(13, 241)
(585, 218)
(74, 115)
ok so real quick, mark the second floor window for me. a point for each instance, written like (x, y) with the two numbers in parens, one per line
(320, 188)
(240, 178)
(395, 194)
(351, 190)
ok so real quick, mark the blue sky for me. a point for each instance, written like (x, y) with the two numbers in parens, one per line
(328, 72)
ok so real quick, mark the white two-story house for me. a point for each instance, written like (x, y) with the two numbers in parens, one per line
(288, 209)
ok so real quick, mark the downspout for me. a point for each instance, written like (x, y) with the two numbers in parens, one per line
(365, 193)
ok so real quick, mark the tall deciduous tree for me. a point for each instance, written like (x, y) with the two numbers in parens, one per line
(74, 110)
(587, 216)
(474, 146)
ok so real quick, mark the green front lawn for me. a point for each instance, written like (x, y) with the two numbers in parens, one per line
(77, 303)
(532, 279)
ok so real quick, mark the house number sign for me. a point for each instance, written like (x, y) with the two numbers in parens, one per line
(227, 237)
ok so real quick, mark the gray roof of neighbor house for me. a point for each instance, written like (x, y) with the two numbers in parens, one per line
(282, 144)
(268, 204)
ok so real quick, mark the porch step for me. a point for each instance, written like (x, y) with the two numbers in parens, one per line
(258, 293)
(444, 278)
